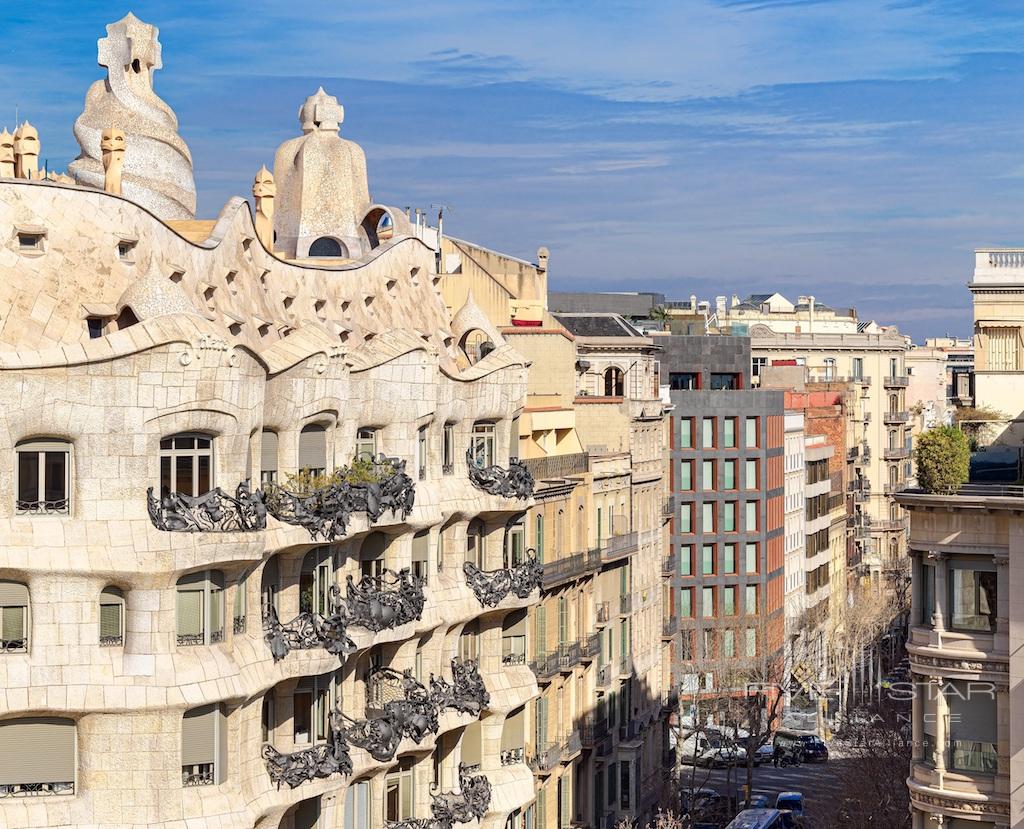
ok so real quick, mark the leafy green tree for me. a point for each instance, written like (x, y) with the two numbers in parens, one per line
(943, 459)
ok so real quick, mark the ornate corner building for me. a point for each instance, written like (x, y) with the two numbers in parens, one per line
(259, 513)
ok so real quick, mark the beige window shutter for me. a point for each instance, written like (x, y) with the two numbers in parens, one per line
(190, 612)
(420, 543)
(37, 750)
(12, 623)
(110, 620)
(471, 743)
(199, 735)
(13, 593)
(313, 447)
(268, 452)
(513, 732)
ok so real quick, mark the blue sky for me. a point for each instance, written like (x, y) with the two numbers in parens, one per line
(854, 149)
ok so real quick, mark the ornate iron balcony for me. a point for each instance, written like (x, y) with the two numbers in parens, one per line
(547, 757)
(512, 756)
(466, 693)
(310, 630)
(215, 511)
(316, 762)
(590, 647)
(470, 803)
(325, 511)
(491, 586)
(398, 706)
(386, 601)
(545, 665)
(514, 482)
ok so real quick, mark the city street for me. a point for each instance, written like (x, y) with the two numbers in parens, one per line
(819, 783)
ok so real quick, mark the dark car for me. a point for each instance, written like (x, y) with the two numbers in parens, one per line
(809, 748)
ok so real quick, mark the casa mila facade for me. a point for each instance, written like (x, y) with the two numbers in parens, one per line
(256, 556)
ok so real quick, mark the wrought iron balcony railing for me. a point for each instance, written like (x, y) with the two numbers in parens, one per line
(466, 693)
(603, 613)
(545, 665)
(572, 746)
(325, 510)
(604, 676)
(491, 586)
(386, 601)
(896, 382)
(897, 454)
(512, 756)
(317, 762)
(214, 511)
(514, 482)
(310, 630)
(513, 650)
(468, 804)
(570, 567)
(895, 417)
(669, 563)
(590, 647)
(670, 627)
(618, 546)
(547, 756)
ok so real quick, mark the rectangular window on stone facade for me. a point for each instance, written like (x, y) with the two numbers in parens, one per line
(483, 444)
(366, 443)
(448, 449)
(421, 452)
(750, 600)
(729, 558)
(751, 643)
(686, 433)
(729, 600)
(729, 432)
(750, 474)
(729, 517)
(13, 617)
(729, 474)
(203, 746)
(268, 456)
(43, 477)
(750, 557)
(707, 560)
(728, 644)
(750, 433)
(707, 476)
(686, 602)
(686, 518)
(972, 596)
(707, 602)
(750, 520)
(707, 517)
(686, 560)
(686, 475)
(313, 450)
(707, 440)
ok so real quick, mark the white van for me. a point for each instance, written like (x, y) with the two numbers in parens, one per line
(710, 748)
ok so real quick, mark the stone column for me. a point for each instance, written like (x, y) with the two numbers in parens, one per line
(917, 727)
(1001, 636)
(941, 735)
(941, 562)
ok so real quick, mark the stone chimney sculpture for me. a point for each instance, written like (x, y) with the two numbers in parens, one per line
(322, 191)
(26, 151)
(264, 190)
(157, 166)
(6, 154)
(112, 148)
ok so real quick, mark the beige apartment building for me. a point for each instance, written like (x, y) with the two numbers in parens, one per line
(591, 434)
(263, 540)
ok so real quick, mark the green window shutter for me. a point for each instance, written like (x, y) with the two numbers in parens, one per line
(37, 750)
(110, 620)
(190, 612)
(12, 620)
(540, 644)
(539, 539)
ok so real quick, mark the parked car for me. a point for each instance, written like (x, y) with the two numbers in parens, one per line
(764, 754)
(760, 819)
(758, 801)
(699, 798)
(792, 802)
(711, 749)
(810, 747)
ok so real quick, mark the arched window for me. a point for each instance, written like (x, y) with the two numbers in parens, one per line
(204, 737)
(373, 554)
(186, 464)
(111, 616)
(894, 475)
(37, 756)
(894, 403)
(315, 581)
(270, 586)
(476, 543)
(366, 443)
(268, 457)
(13, 617)
(613, 384)
(483, 444)
(515, 544)
(44, 476)
(326, 247)
(201, 608)
(313, 450)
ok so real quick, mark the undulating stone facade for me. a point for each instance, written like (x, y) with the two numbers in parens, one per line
(238, 584)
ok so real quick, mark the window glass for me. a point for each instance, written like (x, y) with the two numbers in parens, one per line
(708, 517)
(483, 444)
(707, 559)
(686, 475)
(729, 601)
(708, 432)
(750, 474)
(750, 438)
(708, 602)
(750, 602)
(686, 432)
(729, 516)
(686, 518)
(685, 560)
(972, 598)
(729, 433)
(43, 476)
(186, 465)
(707, 475)
(750, 522)
(750, 555)
(729, 474)
(729, 558)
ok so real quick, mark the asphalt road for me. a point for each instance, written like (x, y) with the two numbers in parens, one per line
(817, 781)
